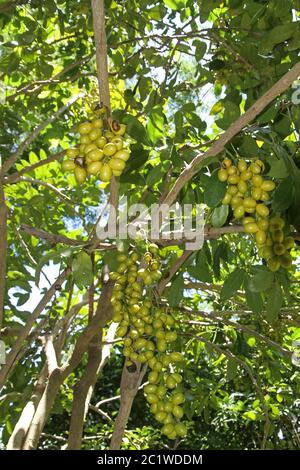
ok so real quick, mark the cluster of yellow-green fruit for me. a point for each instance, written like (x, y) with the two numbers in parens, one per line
(101, 151)
(247, 191)
(148, 332)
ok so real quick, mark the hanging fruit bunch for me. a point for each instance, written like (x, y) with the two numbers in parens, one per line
(100, 152)
(148, 333)
(249, 193)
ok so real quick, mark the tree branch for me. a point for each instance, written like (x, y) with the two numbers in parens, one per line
(3, 251)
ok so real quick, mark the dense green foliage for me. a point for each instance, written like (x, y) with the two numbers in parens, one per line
(181, 72)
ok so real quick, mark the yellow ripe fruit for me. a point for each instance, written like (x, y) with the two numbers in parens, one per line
(226, 199)
(109, 149)
(232, 190)
(84, 139)
(262, 210)
(222, 175)
(261, 164)
(109, 135)
(242, 165)
(82, 148)
(95, 134)
(122, 155)
(242, 186)
(80, 174)
(276, 223)
(268, 185)
(233, 179)
(105, 173)
(236, 201)
(246, 175)
(89, 148)
(180, 429)
(263, 224)
(260, 237)
(232, 171)
(97, 123)
(249, 202)
(95, 155)
(72, 152)
(85, 128)
(278, 248)
(267, 253)
(118, 142)
(117, 172)
(227, 162)
(289, 243)
(121, 130)
(100, 142)
(239, 212)
(256, 193)
(256, 169)
(177, 412)
(68, 165)
(264, 196)
(274, 264)
(94, 168)
(285, 260)
(116, 164)
(248, 220)
(278, 236)
(251, 228)
(257, 180)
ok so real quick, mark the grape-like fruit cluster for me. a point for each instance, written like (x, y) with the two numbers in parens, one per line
(147, 331)
(101, 150)
(247, 191)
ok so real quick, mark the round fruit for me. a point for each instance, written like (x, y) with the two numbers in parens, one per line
(227, 162)
(109, 149)
(263, 224)
(95, 134)
(85, 128)
(226, 199)
(97, 123)
(232, 171)
(118, 142)
(276, 223)
(72, 152)
(239, 212)
(251, 228)
(268, 185)
(177, 412)
(232, 190)
(256, 193)
(117, 172)
(278, 236)
(233, 179)
(180, 429)
(89, 148)
(262, 210)
(80, 174)
(289, 243)
(278, 249)
(257, 180)
(242, 165)
(242, 186)
(68, 165)
(249, 202)
(84, 139)
(94, 168)
(260, 237)
(256, 169)
(116, 164)
(95, 155)
(285, 260)
(274, 264)
(222, 175)
(105, 173)
(100, 142)
(246, 175)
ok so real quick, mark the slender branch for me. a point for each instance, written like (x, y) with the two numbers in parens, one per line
(23, 146)
(101, 51)
(3, 251)
(276, 90)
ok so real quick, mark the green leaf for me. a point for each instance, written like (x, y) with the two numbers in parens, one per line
(231, 114)
(200, 49)
(283, 195)
(214, 190)
(274, 302)
(254, 300)
(136, 129)
(231, 370)
(156, 123)
(175, 292)
(262, 280)
(82, 269)
(219, 215)
(232, 284)
(173, 4)
(154, 175)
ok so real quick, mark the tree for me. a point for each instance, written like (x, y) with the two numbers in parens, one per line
(205, 90)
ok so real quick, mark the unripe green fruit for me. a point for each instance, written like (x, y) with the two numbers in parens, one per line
(68, 165)
(109, 149)
(242, 186)
(268, 185)
(256, 193)
(232, 190)
(236, 201)
(160, 416)
(233, 179)
(85, 128)
(178, 398)
(226, 199)
(171, 336)
(260, 237)
(89, 148)
(153, 377)
(171, 382)
(248, 220)
(264, 196)
(285, 260)
(289, 243)
(168, 429)
(105, 173)
(239, 212)
(278, 236)
(263, 224)
(72, 152)
(97, 123)
(232, 170)
(95, 155)
(100, 142)
(222, 175)
(80, 174)
(95, 134)
(177, 411)
(249, 202)
(246, 175)
(274, 264)
(257, 180)
(180, 429)
(276, 223)
(279, 249)
(94, 168)
(251, 228)
(242, 165)
(256, 169)
(84, 139)
(262, 210)
(116, 164)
